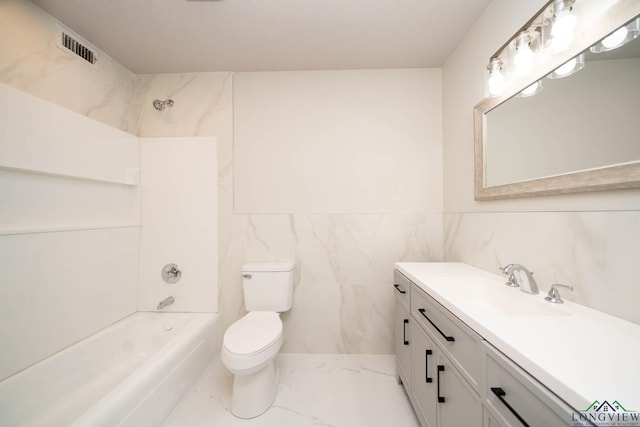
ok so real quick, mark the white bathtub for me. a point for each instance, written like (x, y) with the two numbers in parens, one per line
(129, 374)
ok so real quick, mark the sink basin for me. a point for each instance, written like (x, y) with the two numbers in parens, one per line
(492, 298)
(503, 307)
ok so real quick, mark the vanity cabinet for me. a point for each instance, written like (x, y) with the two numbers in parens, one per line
(403, 323)
(455, 378)
(513, 398)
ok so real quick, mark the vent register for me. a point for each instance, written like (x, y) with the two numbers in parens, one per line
(70, 42)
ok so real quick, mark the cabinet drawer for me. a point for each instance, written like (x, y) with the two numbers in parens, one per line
(516, 398)
(459, 342)
(402, 287)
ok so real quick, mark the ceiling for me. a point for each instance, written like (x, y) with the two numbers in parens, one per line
(170, 36)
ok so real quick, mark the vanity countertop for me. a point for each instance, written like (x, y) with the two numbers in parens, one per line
(579, 353)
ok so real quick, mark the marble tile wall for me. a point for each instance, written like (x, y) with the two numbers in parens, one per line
(343, 301)
(31, 62)
(595, 252)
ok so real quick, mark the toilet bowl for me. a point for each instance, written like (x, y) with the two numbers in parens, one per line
(251, 344)
(249, 348)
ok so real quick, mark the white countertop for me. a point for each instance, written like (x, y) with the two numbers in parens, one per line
(579, 353)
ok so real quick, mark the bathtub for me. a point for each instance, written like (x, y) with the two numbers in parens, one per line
(129, 374)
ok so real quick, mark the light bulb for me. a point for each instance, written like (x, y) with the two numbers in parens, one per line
(523, 59)
(495, 83)
(619, 37)
(531, 89)
(566, 68)
(571, 66)
(616, 38)
(564, 23)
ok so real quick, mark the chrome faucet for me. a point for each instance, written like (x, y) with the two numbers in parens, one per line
(520, 276)
(525, 279)
(166, 302)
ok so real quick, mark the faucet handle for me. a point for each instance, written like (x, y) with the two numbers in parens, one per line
(554, 296)
(507, 270)
(511, 281)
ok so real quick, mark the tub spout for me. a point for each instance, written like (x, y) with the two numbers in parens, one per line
(165, 302)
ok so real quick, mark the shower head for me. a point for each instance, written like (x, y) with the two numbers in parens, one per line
(160, 105)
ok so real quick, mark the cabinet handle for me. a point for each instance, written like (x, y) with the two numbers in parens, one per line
(428, 379)
(398, 289)
(500, 393)
(404, 331)
(422, 311)
(440, 369)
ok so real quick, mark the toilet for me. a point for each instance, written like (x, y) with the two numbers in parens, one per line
(251, 344)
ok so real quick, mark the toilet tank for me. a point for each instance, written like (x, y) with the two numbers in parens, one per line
(268, 286)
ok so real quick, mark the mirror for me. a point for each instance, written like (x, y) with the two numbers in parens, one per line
(580, 133)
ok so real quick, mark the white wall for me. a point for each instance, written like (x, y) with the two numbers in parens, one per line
(337, 141)
(179, 209)
(339, 171)
(586, 240)
(69, 236)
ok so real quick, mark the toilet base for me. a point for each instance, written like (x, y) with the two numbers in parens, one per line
(253, 394)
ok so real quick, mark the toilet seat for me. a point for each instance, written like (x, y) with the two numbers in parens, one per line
(253, 333)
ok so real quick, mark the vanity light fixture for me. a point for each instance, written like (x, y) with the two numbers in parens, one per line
(619, 37)
(571, 66)
(564, 22)
(523, 59)
(550, 29)
(531, 90)
(495, 83)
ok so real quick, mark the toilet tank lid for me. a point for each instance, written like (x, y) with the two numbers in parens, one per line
(267, 266)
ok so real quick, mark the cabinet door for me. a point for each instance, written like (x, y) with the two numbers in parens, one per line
(403, 344)
(458, 403)
(491, 420)
(424, 354)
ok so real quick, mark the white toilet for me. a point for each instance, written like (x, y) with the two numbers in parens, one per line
(251, 344)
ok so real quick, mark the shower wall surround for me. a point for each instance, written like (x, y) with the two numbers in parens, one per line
(588, 240)
(178, 203)
(69, 235)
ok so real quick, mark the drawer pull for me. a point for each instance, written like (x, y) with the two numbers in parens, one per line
(428, 379)
(440, 369)
(398, 289)
(404, 331)
(422, 311)
(500, 393)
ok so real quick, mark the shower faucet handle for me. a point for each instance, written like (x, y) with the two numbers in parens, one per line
(171, 273)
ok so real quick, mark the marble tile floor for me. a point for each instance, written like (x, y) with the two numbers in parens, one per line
(314, 390)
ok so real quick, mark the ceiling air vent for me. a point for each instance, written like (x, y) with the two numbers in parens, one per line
(72, 43)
